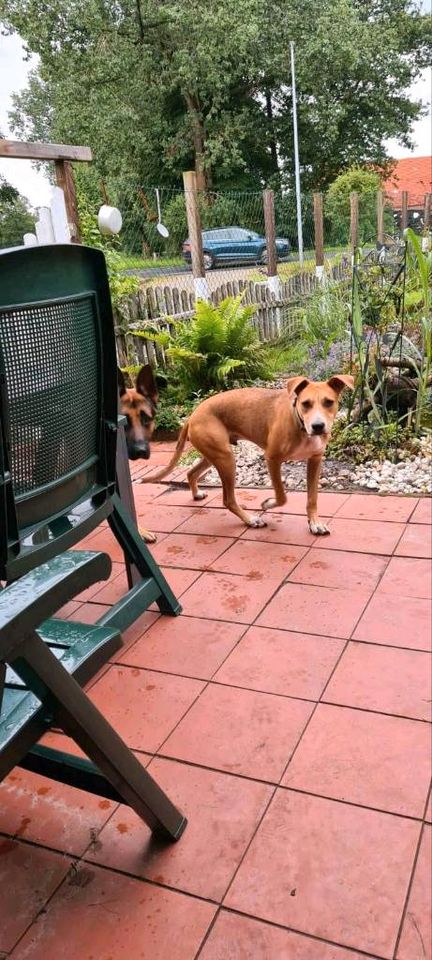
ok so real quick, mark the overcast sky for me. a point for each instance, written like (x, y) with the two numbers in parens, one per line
(21, 173)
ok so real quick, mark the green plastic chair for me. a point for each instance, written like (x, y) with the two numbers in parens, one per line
(59, 422)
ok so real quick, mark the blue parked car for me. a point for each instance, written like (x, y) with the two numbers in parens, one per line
(234, 245)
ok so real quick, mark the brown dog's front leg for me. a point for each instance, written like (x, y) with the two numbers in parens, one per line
(316, 525)
(274, 469)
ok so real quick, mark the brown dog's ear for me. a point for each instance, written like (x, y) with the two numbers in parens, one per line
(121, 382)
(145, 383)
(340, 381)
(296, 385)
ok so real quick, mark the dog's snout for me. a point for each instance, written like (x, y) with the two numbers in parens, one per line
(139, 450)
(318, 427)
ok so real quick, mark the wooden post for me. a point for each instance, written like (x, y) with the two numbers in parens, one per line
(380, 217)
(354, 221)
(273, 281)
(404, 211)
(319, 235)
(427, 211)
(65, 180)
(195, 235)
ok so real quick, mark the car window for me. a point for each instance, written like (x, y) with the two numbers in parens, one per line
(216, 235)
(238, 234)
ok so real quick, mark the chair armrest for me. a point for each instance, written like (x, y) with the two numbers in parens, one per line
(38, 595)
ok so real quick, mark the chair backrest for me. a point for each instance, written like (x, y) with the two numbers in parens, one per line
(58, 401)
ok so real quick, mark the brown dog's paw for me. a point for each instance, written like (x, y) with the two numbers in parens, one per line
(201, 495)
(257, 522)
(147, 536)
(318, 528)
(268, 504)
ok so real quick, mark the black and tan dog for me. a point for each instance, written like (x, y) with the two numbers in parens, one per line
(138, 404)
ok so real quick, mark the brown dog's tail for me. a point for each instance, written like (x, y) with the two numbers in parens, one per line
(181, 442)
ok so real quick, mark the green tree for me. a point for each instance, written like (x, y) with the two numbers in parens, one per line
(15, 216)
(156, 86)
(366, 183)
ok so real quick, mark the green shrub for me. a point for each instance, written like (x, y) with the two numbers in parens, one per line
(218, 346)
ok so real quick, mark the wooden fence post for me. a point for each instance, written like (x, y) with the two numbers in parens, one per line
(65, 180)
(426, 240)
(273, 281)
(380, 217)
(319, 235)
(354, 212)
(195, 236)
(404, 210)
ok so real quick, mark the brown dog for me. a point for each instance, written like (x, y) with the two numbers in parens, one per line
(138, 404)
(288, 425)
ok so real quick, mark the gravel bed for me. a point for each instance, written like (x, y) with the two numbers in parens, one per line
(409, 475)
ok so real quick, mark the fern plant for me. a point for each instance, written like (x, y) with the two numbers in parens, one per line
(219, 345)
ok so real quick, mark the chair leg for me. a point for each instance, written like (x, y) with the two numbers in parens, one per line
(126, 532)
(78, 717)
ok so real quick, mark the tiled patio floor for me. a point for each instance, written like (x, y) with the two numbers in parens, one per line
(286, 712)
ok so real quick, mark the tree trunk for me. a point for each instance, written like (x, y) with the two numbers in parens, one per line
(273, 144)
(203, 175)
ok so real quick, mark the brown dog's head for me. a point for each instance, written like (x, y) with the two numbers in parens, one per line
(138, 405)
(317, 403)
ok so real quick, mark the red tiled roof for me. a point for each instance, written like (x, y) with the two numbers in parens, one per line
(413, 174)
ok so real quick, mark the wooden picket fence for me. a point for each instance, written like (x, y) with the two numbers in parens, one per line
(159, 306)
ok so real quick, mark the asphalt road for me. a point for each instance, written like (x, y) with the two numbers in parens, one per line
(214, 277)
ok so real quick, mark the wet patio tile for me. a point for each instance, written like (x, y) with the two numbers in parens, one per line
(309, 609)
(188, 646)
(397, 621)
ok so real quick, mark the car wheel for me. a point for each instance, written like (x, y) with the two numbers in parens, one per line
(208, 261)
(264, 256)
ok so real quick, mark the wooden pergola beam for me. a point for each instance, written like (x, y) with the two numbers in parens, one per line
(18, 150)
(62, 154)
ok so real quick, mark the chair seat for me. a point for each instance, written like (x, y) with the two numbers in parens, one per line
(82, 649)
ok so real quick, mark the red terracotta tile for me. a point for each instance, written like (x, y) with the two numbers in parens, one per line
(28, 877)
(147, 492)
(399, 622)
(406, 576)
(221, 810)
(362, 506)
(332, 870)
(428, 814)
(365, 758)
(423, 511)
(142, 706)
(329, 503)
(181, 496)
(105, 542)
(113, 591)
(91, 592)
(222, 596)
(240, 938)
(163, 518)
(257, 561)
(188, 646)
(212, 523)
(384, 679)
(50, 813)
(179, 580)
(416, 541)
(89, 612)
(361, 536)
(277, 661)
(137, 630)
(282, 528)
(416, 938)
(351, 571)
(65, 612)
(240, 731)
(308, 609)
(98, 915)
(190, 550)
